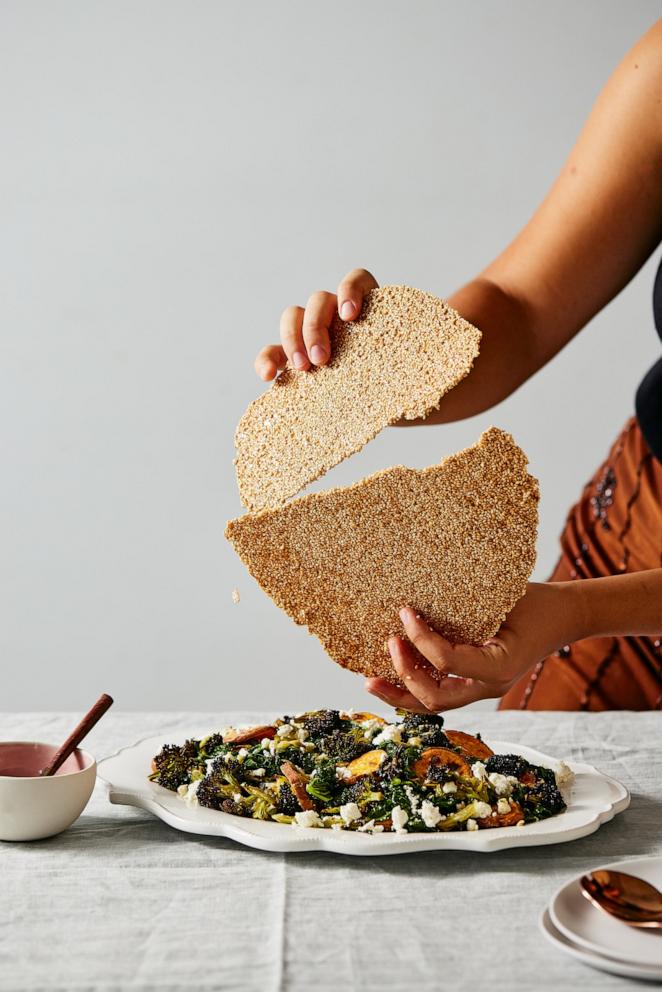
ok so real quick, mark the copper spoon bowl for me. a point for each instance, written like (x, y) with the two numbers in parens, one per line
(626, 897)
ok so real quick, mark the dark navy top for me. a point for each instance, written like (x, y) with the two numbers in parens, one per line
(648, 401)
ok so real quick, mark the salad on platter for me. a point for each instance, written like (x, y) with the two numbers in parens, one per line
(356, 771)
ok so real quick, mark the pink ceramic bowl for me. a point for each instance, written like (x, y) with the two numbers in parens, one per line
(32, 807)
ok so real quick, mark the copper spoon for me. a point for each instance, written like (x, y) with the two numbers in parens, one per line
(628, 898)
(91, 718)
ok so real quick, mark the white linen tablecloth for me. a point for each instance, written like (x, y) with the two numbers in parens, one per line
(122, 901)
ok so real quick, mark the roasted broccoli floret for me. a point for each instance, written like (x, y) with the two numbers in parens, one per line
(429, 727)
(212, 745)
(230, 806)
(212, 792)
(287, 801)
(438, 773)
(417, 720)
(322, 722)
(345, 746)
(366, 790)
(540, 801)
(323, 783)
(174, 765)
(398, 765)
(508, 764)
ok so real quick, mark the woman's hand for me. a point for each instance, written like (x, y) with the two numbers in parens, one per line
(548, 616)
(304, 333)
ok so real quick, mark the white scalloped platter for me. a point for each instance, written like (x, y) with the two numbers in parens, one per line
(592, 799)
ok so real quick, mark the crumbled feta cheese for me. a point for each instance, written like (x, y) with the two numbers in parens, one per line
(208, 764)
(350, 812)
(398, 818)
(285, 730)
(371, 727)
(391, 732)
(242, 753)
(502, 784)
(264, 743)
(189, 793)
(371, 828)
(449, 787)
(482, 809)
(259, 772)
(237, 797)
(503, 806)
(302, 734)
(564, 775)
(479, 771)
(342, 773)
(414, 801)
(430, 813)
(307, 818)
(471, 824)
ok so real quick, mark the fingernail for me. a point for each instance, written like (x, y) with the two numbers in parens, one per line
(347, 310)
(299, 360)
(317, 354)
(404, 614)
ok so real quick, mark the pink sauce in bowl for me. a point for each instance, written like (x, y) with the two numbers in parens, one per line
(25, 759)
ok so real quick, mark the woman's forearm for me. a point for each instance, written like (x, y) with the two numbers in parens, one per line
(618, 605)
(508, 353)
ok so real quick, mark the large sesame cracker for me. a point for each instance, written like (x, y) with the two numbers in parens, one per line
(455, 541)
(404, 353)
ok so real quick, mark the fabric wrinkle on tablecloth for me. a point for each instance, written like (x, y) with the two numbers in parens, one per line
(122, 901)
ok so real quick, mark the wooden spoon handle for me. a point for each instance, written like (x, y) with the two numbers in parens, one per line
(103, 703)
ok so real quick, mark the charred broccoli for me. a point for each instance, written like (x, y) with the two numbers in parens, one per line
(212, 745)
(230, 806)
(540, 801)
(174, 765)
(287, 801)
(429, 727)
(414, 721)
(212, 792)
(399, 763)
(365, 791)
(322, 722)
(345, 746)
(508, 764)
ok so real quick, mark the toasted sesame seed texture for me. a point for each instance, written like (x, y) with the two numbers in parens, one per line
(455, 541)
(397, 361)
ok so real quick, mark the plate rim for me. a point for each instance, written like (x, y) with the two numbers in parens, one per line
(582, 941)
(602, 962)
(355, 844)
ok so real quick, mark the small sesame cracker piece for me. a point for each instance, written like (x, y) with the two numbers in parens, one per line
(405, 351)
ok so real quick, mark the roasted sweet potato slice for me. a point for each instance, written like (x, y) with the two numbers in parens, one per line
(360, 717)
(439, 756)
(297, 784)
(469, 745)
(504, 819)
(364, 765)
(250, 734)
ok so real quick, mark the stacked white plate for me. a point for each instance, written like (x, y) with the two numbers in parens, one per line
(573, 924)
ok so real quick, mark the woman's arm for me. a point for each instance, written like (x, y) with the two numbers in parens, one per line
(597, 226)
(549, 616)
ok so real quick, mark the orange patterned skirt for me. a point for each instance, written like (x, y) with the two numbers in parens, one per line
(615, 527)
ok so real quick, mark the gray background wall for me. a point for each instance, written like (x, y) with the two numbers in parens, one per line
(172, 175)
